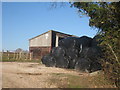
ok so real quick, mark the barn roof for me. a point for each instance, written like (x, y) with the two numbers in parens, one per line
(52, 31)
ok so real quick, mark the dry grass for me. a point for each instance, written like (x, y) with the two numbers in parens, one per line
(80, 81)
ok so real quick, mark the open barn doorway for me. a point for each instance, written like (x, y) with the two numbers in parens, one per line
(58, 38)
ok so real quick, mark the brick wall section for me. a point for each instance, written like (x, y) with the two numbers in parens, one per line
(38, 52)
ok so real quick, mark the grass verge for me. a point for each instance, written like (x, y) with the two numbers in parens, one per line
(63, 80)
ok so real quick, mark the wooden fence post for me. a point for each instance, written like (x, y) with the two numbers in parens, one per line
(8, 56)
(17, 56)
(27, 54)
(31, 56)
(14, 56)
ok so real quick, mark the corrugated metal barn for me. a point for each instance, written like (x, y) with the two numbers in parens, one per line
(42, 44)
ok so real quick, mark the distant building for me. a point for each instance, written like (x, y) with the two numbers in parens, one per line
(42, 44)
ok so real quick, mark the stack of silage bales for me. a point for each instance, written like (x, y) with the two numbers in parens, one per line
(80, 53)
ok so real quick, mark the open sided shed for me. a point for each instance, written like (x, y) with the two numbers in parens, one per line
(43, 43)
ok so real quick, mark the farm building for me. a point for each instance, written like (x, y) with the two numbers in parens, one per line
(42, 44)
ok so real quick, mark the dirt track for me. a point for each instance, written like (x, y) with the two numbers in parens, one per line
(29, 75)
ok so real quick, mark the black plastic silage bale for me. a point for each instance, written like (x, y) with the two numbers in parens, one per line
(84, 52)
(48, 60)
(69, 42)
(72, 53)
(45, 58)
(58, 52)
(94, 66)
(62, 62)
(85, 41)
(91, 53)
(75, 43)
(72, 63)
(96, 41)
(94, 54)
(71, 46)
(83, 65)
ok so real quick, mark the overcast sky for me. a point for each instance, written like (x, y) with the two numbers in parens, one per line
(22, 21)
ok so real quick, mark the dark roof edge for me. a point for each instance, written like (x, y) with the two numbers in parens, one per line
(51, 31)
(64, 33)
(40, 35)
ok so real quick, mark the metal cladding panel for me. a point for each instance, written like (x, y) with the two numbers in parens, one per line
(42, 40)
